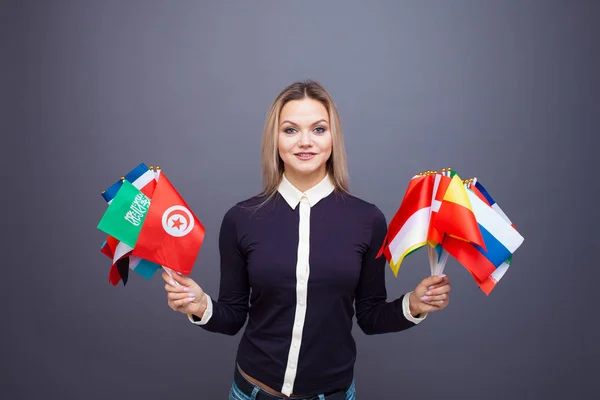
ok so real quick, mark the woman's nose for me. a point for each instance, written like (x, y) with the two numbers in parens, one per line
(304, 139)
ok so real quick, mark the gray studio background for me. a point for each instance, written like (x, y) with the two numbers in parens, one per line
(507, 91)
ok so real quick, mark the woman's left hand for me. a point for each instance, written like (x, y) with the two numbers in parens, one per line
(432, 294)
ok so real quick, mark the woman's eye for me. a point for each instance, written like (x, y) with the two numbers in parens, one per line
(319, 129)
(289, 130)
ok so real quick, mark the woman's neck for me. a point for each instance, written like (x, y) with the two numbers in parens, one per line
(305, 182)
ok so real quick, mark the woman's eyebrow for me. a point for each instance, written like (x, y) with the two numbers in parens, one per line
(314, 123)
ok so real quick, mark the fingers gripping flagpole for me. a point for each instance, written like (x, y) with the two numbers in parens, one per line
(170, 272)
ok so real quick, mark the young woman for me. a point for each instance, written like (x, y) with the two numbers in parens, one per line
(298, 260)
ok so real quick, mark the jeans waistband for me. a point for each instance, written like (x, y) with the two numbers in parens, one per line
(248, 388)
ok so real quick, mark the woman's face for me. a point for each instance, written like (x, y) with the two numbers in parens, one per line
(304, 139)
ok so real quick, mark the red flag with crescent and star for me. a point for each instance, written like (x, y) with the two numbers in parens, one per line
(171, 234)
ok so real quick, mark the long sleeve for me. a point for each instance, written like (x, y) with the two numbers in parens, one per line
(228, 314)
(374, 314)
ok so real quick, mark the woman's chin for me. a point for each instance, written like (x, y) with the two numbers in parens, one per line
(307, 171)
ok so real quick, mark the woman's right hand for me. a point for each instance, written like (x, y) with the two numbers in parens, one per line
(188, 297)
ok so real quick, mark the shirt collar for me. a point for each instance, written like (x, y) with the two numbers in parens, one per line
(293, 196)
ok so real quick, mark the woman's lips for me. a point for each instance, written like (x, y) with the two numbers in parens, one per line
(305, 156)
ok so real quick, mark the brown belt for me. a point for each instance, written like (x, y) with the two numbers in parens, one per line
(248, 387)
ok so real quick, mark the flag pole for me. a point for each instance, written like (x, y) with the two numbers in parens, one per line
(170, 272)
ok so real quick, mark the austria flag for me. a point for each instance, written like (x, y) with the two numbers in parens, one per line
(171, 234)
(407, 231)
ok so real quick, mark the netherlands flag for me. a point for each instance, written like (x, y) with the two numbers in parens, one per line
(490, 283)
(500, 237)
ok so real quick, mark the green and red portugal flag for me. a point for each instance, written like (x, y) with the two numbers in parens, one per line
(171, 235)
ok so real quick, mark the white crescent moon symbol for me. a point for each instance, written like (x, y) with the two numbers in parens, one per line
(180, 211)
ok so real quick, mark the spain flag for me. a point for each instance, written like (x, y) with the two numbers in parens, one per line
(455, 215)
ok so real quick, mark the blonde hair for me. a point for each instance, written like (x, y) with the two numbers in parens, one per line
(272, 164)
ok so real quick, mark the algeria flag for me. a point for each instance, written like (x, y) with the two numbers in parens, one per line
(171, 235)
(125, 215)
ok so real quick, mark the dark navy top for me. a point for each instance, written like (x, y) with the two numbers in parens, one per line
(298, 269)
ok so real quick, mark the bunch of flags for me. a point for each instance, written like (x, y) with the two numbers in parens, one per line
(452, 217)
(149, 226)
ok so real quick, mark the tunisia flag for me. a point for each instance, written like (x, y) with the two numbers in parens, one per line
(171, 234)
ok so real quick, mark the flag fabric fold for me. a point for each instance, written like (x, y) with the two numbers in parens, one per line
(125, 215)
(408, 228)
(452, 217)
(144, 179)
(455, 215)
(129, 202)
(500, 234)
(141, 177)
(171, 234)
